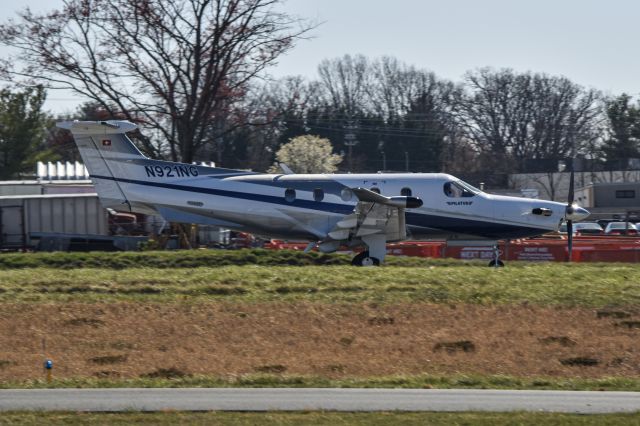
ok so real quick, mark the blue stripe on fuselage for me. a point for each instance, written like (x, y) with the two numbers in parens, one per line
(449, 224)
(305, 204)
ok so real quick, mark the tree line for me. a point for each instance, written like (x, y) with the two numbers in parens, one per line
(193, 75)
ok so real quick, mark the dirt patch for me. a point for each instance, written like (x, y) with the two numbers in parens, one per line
(277, 369)
(560, 340)
(364, 339)
(452, 347)
(79, 322)
(629, 324)
(612, 313)
(109, 359)
(166, 373)
(580, 361)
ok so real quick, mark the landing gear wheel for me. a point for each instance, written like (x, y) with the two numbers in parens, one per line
(363, 259)
(499, 264)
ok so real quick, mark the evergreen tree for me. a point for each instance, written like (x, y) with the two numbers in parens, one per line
(22, 130)
(624, 127)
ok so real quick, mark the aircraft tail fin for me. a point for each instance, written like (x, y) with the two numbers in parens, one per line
(124, 178)
(106, 151)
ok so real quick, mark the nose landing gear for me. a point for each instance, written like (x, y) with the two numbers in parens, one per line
(496, 262)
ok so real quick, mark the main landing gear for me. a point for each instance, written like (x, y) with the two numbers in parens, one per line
(363, 259)
(375, 253)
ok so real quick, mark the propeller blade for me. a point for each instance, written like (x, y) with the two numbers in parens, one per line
(568, 212)
(569, 239)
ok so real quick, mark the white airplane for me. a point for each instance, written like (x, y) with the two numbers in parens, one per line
(328, 210)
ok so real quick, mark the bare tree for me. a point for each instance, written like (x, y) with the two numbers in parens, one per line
(563, 119)
(515, 117)
(549, 182)
(400, 114)
(278, 112)
(175, 66)
(395, 87)
(345, 80)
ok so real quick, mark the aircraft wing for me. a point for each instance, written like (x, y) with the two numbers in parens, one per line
(375, 214)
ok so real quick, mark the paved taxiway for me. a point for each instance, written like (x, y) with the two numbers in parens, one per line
(245, 399)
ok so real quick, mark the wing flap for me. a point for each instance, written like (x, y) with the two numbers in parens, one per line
(375, 214)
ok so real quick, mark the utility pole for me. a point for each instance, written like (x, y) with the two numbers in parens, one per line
(350, 140)
(219, 140)
(446, 146)
(384, 155)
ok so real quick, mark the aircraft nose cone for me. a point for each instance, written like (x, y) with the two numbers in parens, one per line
(577, 213)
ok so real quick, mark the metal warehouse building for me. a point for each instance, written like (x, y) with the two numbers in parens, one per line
(605, 200)
(25, 219)
(59, 210)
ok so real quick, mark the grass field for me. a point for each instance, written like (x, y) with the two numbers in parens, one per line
(164, 319)
(318, 418)
(591, 285)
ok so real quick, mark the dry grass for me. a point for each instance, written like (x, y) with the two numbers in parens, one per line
(129, 340)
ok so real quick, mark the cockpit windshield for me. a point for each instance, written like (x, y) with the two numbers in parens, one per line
(457, 189)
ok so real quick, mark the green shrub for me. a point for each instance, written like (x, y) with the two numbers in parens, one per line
(192, 259)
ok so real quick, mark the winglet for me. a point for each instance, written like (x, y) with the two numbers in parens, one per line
(286, 169)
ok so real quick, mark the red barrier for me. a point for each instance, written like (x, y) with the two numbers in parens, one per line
(585, 249)
(541, 250)
(416, 248)
(283, 245)
(470, 252)
(536, 252)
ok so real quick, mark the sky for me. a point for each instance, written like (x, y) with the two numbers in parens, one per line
(592, 42)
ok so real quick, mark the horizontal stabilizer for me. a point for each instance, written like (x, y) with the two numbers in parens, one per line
(109, 127)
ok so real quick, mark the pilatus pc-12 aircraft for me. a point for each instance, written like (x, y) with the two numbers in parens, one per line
(328, 210)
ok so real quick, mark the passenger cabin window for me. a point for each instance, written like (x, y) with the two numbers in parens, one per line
(318, 194)
(459, 189)
(290, 195)
(405, 192)
(346, 194)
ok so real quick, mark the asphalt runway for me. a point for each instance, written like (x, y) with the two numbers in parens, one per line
(289, 399)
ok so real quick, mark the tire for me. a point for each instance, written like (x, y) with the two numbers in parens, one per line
(363, 259)
(493, 264)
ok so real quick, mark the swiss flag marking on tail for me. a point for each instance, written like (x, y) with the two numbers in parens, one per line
(106, 142)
